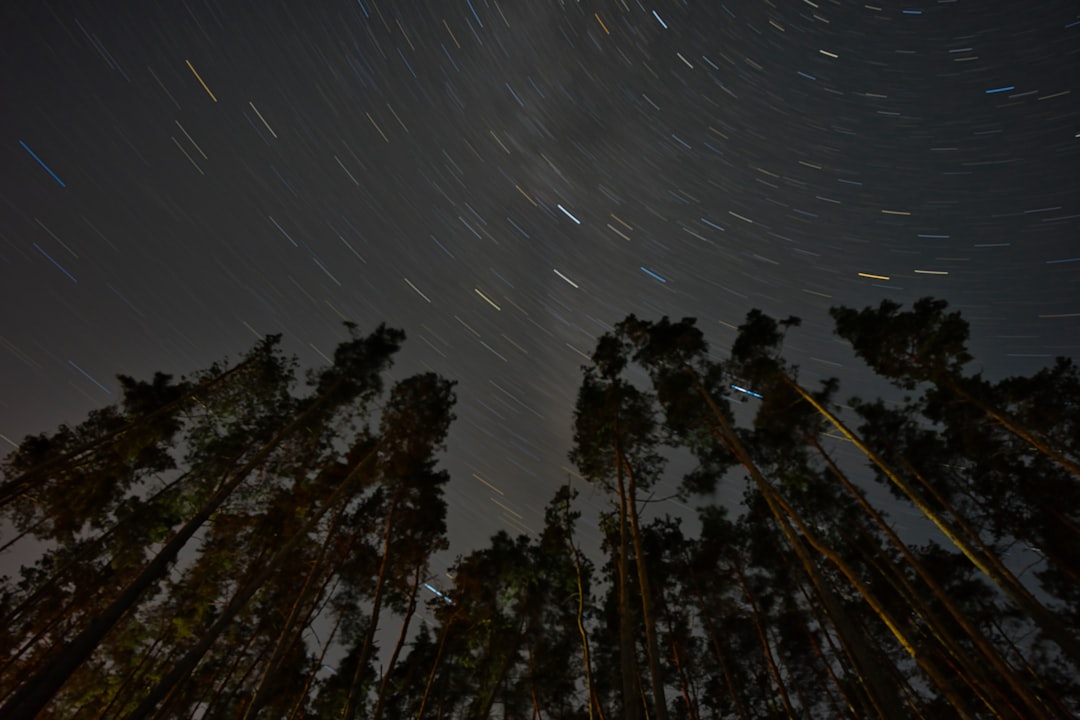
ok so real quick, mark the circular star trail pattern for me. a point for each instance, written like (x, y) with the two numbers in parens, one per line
(505, 180)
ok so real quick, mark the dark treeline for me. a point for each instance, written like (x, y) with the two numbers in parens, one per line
(204, 544)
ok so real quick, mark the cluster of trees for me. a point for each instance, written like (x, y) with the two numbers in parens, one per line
(208, 541)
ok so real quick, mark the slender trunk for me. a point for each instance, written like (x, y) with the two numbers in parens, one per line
(532, 681)
(223, 682)
(286, 637)
(376, 608)
(763, 639)
(503, 670)
(984, 561)
(684, 683)
(29, 531)
(1009, 424)
(987, 651)
(647, 612)
(881, 690)
(1053, 696)
(384, 684)
(940, 646)
(13, 675)
(718, 652)
(595, 711)
(39, 690)
(880, 611)
(187, 663)
(859, 703)
(91, 549)
(627, 655)
(121, 690)
(32, 697)
(434, 668)
(833, 680)
(298, 706)
(996, 570)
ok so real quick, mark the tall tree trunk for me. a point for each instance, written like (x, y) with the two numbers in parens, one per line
(32, 697)
(763, 639)
(984, 561)
(857, 698)
(631, 709)
(27, 669)
(684, 683)
(352, 698)
(718, 651)
(828, 670)
(880, 611)
(122, 688)
(217, 703)
(488, 699)
(952, 663)
(90, 549)
(533, 697)
(434, 668)
(595, 711)
(191, 658)
(882, 691)
(384, 684)
(647, 612)
(1040, 445)
(298, 706)
(989, 654)
(287, 637)
(23, 534)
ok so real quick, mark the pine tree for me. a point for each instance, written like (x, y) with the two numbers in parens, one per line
(229, 532)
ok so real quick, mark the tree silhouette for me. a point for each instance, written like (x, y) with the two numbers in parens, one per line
(232, 544)
(615, 443)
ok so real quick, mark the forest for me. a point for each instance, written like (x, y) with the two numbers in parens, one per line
(209, 545)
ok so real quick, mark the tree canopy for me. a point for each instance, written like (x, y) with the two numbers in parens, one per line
(248, 542)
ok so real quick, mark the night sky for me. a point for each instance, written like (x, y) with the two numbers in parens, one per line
(505, 180)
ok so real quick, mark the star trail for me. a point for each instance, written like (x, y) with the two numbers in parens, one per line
(505, 180)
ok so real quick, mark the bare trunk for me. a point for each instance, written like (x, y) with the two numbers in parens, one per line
(987, 651)
(376, 608)
(880, 611)
(222, 682)
(859, 705)
(763, 639)
(590, 688)
(504, 669)
(1009, 424)
(434, 669)
(984, 561)
(532, 683)
(627, 654)
(78, 599)
(286, 637)
(298, 706)
(121, 689)
(721, 656)
(32, 697)
(882, 691)
(187, 663)
(647, 612)
(684, 683)
(409, 610)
